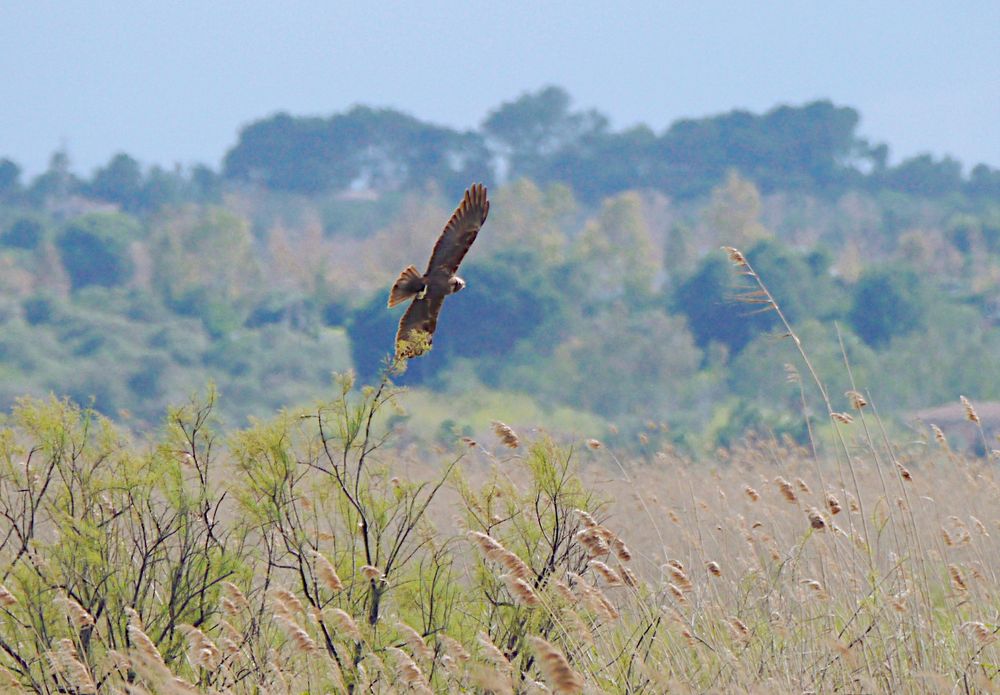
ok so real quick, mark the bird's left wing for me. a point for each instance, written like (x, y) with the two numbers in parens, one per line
(460, 231)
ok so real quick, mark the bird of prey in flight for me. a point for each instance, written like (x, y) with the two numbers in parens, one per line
(429, 290)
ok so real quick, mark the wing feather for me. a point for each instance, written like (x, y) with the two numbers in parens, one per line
(460, 231)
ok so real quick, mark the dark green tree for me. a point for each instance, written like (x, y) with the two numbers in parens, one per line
(720, 306)
(95, 249)
(379, 148)
(288, 153)
(707, 299)
(10, 178)
(537, 126)
(984, 182)
(887, 302)
(120, 181)
(924, 176)
(25, 233)
(56, 183)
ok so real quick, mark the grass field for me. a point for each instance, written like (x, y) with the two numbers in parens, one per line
(321, 552)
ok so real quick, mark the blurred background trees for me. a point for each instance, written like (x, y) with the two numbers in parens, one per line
(596, 288)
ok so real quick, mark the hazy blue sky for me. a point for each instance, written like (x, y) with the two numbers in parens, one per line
(173, 81)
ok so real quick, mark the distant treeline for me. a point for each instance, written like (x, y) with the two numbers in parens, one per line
(813, 148)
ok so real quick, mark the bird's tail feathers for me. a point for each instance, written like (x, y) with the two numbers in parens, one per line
(409, 284)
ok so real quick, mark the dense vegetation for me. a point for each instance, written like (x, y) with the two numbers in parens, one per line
(596, 292)
(708, 493)
(310, 553)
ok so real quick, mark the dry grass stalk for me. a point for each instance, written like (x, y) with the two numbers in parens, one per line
(939, 436)
(66, 661)
(816, 519)
(816, 587)
(493, 654)
(585, 518)
(454, 649)
(521, 590)
(713, 568)
(326, 572)
(7, 599)
(415, 641)
(229, 631)
(980, 526)
(506, 435)
(303, 642)
(857, 400)
(740, 630)
(593, 598)
(145, 657)
(593, 444)
(562, 588)
(736, 257)
(628, 577)
(676, 592)
(235, 597)
(491, 680)
(606, 573)
(576, 626)
(201, 650)
(285, 604)
(227, 606)
(970, 412)
(843, 418)
(957, 581)
(514, 564)
(898, 601)
(593, 541)
(786, 489)
(77, 614)
(489, 546)
(371, 573)
(408, 672)
(979, 631)
(493, 550)
(833, 504)
(751, 493)
(803, 486)
(8, 682)
(904, 472)
(556, 668)
(345, 623)
(676, 571)
(621, 550)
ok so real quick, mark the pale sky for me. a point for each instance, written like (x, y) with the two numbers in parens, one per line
(172, 82)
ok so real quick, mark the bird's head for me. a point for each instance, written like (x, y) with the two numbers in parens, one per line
(455, 284)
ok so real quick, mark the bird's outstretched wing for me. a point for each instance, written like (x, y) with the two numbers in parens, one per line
(460, 231)
(417, 326)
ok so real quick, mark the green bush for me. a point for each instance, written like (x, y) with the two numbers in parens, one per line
(25, 233)
(887, 302)
(95, 249)
(38, 309)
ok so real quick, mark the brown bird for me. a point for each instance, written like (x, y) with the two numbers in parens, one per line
(429, 290)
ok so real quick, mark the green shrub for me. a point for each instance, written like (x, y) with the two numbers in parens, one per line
(25, 233)
(95, 249)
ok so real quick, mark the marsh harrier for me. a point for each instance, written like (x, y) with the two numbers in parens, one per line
(428, 291)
